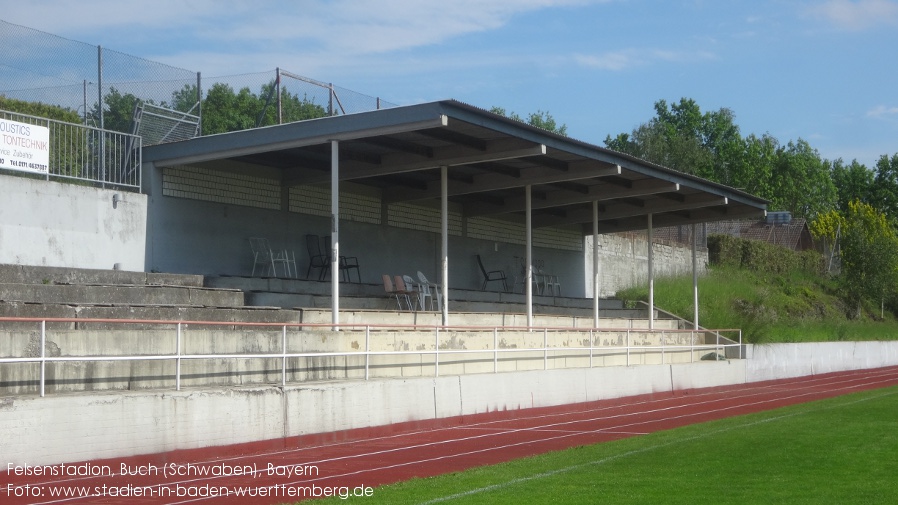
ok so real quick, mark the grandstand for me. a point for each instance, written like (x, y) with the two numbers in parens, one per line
(133, 319)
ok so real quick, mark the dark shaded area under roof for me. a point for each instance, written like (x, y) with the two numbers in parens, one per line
(491, 160)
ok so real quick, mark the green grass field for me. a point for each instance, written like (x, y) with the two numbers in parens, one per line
(843, 450)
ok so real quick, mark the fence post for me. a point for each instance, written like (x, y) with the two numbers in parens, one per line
(545, 348)
(43, 355)
(367, 349)
(436, 355)
(178, 360)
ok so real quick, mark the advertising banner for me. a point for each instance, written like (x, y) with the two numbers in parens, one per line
(24, 146)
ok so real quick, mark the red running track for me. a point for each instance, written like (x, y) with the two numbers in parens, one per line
(358, 459)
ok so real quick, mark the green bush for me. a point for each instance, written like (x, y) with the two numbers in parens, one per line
(758, 256)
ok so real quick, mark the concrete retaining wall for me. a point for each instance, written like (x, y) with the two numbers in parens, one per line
(70, 428)
(68, 225)
(623, 262)
(780, 361)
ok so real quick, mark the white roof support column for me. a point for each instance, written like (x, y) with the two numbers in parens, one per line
(596, 277)
(529, 254)
(444, 246)
(335, 234)
(694, 279)
(650, 237)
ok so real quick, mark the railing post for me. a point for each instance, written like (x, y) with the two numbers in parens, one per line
(545, 348)
(663, 342)
(284, 362)
(178, 360)
(495, 350)
(628, 346)
(590, 348)
(692, 347)
(367, 350)
(436, 355)
(741, 356)
(43, 356)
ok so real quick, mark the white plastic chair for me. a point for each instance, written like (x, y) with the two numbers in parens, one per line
(424, 291)
(264, 255)
(414, 290)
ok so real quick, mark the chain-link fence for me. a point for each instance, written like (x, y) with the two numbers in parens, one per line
(40, 67)
(115, 92)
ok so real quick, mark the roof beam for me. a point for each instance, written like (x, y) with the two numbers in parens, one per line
(493, 182)
(397, 163)
(696, 216)
(620, 210)
(597, 192)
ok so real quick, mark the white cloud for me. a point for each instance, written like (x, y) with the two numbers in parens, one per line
(858, 15)
(882, 111)
(356, 26)
(631, 58)
(615, 60)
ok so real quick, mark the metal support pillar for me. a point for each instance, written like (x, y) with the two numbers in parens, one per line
(335, 234)
(650, 238)
(529, 254)
(444, 246)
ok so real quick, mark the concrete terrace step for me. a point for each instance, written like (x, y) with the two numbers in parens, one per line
(290, 293)
(27, 274)
(123, 294)
(142, 312)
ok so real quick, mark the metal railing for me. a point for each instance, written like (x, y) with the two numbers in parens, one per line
(84, 153)
(669, 342)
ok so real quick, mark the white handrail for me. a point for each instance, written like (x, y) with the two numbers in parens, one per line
(558, 351)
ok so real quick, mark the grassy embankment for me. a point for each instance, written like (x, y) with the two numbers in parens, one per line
(772, 295)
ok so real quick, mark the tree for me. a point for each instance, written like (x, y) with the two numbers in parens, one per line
(118, 111)
(853, 182)
(869, 253)
(801, 181)
(539, 119)
(683, 138)
(184, 100)
(293, 108)
(753, 169)
(885, 186)
(227, 111)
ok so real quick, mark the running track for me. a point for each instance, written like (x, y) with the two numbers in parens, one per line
(375, 456)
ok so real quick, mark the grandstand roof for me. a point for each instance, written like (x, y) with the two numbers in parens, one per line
(491, 160)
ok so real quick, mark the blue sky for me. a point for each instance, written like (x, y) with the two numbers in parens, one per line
(824, 71)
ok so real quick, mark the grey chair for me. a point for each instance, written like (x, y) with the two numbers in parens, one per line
(491, 276)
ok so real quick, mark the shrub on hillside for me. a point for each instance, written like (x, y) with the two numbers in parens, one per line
(760, 256)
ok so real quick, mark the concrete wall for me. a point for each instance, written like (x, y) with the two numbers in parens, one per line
(68, 225)
(623, 262)
(779, 361)
(70, 428)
